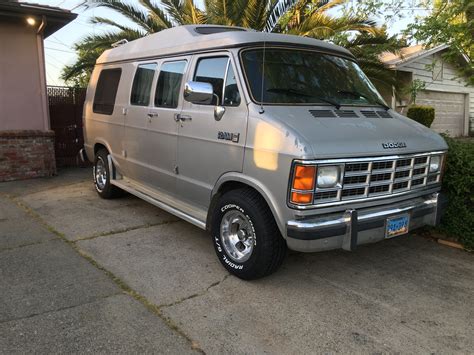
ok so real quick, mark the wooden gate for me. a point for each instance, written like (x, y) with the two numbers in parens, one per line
(65, 112)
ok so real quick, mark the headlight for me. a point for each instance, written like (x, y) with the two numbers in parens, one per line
(435, 163)
(328, 176)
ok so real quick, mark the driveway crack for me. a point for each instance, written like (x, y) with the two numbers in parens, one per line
(124, 230)
(198, 294)
(59, 309)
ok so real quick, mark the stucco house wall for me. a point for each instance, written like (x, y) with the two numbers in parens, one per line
(23, 104)
(26, 141)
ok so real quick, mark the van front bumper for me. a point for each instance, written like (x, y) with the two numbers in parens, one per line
(354, 227)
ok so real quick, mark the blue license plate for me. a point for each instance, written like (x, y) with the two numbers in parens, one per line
(397, 226)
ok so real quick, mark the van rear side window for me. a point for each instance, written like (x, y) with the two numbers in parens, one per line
(169, 83)
(106, 91)
(142, 84)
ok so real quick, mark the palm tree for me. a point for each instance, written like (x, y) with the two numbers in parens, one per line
(300, 17)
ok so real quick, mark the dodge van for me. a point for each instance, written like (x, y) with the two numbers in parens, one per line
(267, 141)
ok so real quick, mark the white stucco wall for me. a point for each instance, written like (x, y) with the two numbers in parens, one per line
(23, 101)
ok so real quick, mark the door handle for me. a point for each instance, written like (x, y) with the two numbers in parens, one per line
(152, 114)
(179, 117)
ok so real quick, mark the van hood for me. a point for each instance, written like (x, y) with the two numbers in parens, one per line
(362, 132)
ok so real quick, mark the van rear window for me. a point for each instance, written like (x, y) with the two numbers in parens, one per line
(106, 91)
(141, 88)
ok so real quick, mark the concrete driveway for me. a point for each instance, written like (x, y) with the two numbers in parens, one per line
(81, 274)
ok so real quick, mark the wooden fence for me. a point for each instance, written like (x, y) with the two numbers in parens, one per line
(65, 111)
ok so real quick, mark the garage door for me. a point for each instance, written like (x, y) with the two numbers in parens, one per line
(449, 110)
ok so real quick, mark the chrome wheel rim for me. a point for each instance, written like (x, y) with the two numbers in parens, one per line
(237, 236)
(100, 174)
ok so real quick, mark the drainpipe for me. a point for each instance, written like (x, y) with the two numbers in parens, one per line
(394, 98)
(42, 73)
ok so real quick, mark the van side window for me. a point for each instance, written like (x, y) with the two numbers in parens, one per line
(212, 70)
(231, 91)
(142, 84)
(169, 84)
(106, 91)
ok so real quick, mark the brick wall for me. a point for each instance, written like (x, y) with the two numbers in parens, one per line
(26, 154)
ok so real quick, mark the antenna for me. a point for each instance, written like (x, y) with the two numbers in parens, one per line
(263, 80)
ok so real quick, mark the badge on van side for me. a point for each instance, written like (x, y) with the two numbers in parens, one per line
(394, 145)
(234, 137)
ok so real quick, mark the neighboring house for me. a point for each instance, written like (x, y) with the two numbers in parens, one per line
(444, 89)
(26, 141)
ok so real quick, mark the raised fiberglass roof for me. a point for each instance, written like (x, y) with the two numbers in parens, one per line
(191, 38)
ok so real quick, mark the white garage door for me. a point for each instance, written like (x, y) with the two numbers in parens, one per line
(449, 111)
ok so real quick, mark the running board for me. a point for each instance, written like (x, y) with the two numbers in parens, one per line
(130, 188)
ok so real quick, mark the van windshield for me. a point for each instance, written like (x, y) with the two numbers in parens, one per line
(294, 76)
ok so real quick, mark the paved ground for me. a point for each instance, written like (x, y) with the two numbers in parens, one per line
(81, 274)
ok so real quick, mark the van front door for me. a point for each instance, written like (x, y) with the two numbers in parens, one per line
(209, 147)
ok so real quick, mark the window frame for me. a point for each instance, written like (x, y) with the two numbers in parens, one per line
(102, 112)
(137, 66)
(171, 60)
(229, 64)
(289, 47)
(213, 56)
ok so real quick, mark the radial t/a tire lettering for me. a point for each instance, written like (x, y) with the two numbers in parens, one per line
(246, 238)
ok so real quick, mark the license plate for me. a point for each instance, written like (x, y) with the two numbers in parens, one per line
(397, 226)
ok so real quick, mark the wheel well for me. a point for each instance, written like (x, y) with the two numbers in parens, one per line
(99, 146)
(226, 187)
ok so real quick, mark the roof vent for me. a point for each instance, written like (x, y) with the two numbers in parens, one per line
(209, 30)
(119, 43)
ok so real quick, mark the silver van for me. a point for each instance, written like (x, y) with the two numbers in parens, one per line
(267, 141)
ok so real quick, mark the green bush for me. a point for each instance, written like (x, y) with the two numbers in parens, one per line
(458, 184)
(422, 114)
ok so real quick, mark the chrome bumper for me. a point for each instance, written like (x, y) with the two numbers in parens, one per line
(353, 227)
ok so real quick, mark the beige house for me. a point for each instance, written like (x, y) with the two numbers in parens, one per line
(444, 90)
(26, 142)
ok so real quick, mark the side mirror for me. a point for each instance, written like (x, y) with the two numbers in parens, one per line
(198, 92)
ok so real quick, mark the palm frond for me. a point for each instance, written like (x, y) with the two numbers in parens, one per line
(155, 13)
(132, 12)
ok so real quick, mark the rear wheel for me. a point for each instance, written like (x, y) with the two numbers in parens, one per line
(102, 176)
(245, 236)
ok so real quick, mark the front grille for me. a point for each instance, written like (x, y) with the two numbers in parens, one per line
(378, 177)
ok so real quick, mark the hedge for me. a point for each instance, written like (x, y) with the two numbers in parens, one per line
(458, 184)
(422, 114)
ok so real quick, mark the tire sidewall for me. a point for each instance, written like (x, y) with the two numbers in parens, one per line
(221, 209)
(101, 155)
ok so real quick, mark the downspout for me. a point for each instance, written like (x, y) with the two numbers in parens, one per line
(42, 73)
(394, 98)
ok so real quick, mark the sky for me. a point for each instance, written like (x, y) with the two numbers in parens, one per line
(59, 46)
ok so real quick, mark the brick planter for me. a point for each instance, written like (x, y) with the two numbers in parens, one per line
(26, 154)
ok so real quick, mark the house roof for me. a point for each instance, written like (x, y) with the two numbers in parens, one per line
(192, 38)
(56, 17)
(410, 54)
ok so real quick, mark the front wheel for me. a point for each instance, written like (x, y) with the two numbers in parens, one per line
(245, 236)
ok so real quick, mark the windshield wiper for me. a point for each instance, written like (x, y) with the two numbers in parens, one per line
(301, 93)
(357, 94)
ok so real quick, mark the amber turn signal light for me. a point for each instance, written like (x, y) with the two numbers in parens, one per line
(304, 177)
(301, 198)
